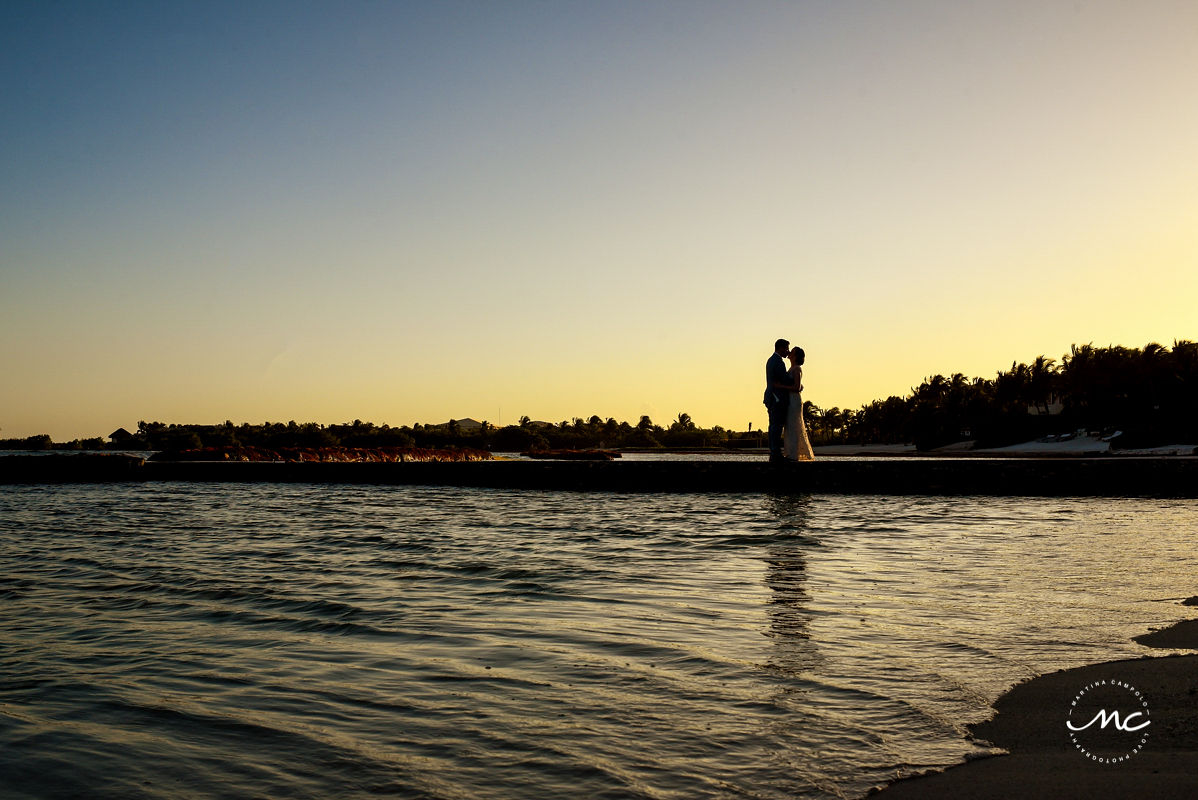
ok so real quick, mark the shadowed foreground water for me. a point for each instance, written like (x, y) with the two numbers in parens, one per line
(341, 641)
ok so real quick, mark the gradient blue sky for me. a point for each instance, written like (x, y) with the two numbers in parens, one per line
(404, 212)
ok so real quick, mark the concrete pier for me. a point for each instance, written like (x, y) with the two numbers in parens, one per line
(1097, 477)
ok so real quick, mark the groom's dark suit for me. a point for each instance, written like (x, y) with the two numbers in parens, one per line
(777, 401)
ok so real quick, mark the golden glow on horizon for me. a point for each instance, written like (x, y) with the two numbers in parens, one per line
(547, 231)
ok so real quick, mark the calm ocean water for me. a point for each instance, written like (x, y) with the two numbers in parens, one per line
(294, 641)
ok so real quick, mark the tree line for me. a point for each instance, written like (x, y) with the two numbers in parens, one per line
(1148, 394)
(579, 433)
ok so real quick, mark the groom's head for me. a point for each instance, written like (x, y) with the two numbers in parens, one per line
(782, 347)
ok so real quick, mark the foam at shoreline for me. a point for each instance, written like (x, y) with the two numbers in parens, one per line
(1042, 762)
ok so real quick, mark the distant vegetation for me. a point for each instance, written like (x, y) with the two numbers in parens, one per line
(43, 442)
(594, 432)
(1150, 394)
(526, 435)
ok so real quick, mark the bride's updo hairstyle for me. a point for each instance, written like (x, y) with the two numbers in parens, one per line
(799, 356)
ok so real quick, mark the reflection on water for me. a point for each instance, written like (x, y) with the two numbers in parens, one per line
(785, 575)
(316, 641)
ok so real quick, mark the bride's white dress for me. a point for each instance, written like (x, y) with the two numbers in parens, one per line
(797, 447)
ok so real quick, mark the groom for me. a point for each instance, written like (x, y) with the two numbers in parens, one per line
(778, 383)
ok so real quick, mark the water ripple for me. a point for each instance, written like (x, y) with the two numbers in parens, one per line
(316, 641)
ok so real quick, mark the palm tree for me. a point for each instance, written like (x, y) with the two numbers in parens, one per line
(833, 419)
(1155, 372)
(813, 416)
(1042, 382)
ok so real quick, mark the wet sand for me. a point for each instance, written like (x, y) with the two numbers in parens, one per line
(1043, 763)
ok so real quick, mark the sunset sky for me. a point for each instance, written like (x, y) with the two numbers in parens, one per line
(406, 212)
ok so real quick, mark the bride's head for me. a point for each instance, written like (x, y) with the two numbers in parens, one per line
(797, 356)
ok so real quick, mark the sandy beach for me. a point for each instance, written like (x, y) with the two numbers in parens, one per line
(1086, 445)
(1042, 762)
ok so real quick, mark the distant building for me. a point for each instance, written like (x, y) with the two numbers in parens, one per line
(1049, 408)
(469, 424)
(120, 436)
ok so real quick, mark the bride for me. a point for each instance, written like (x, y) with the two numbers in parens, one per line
(797, 445)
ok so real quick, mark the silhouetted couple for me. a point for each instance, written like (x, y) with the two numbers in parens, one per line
(784, 401)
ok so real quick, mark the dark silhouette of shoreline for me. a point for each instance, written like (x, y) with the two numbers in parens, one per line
(1043, 477)
(1042, 761)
